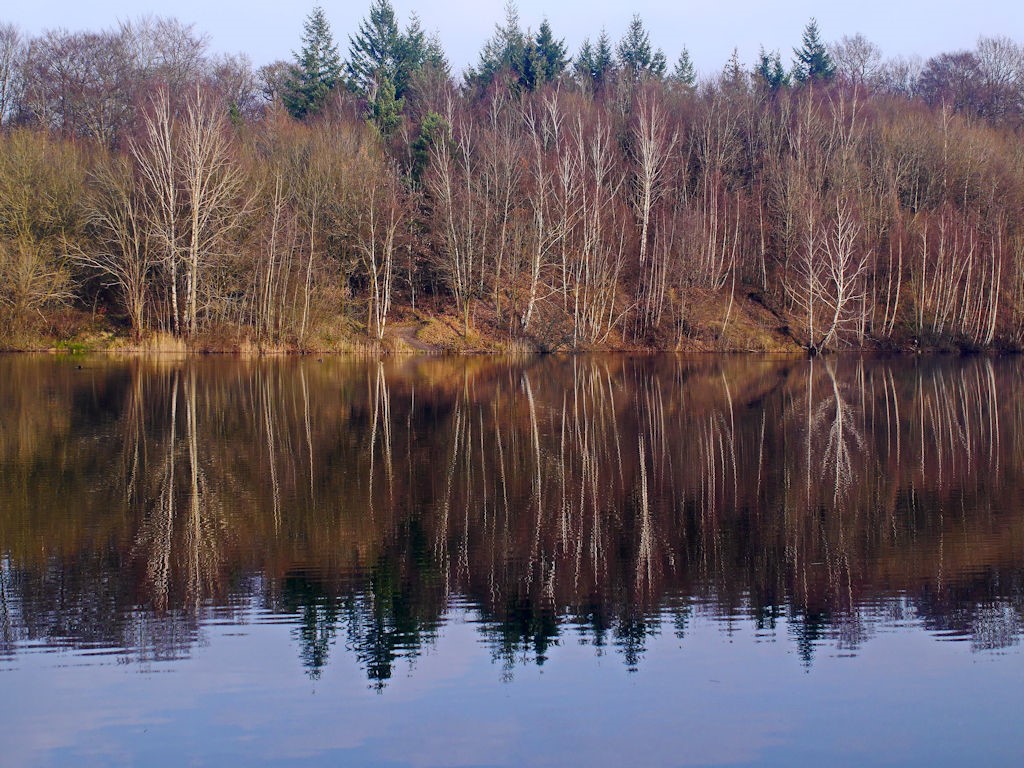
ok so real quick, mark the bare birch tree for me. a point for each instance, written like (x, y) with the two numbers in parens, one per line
(212, 190)
(378, 219)
(653, 145)
(454, 186)
(154, 154)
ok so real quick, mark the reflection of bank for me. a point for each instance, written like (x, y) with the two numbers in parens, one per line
(554, 498)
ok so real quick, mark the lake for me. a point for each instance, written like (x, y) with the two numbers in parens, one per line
(429, 561)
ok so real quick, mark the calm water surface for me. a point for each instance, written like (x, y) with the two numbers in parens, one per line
(597, 561)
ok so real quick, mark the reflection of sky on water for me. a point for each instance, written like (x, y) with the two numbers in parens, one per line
(713, 698)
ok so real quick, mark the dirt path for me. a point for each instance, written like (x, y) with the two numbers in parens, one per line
(407, 333)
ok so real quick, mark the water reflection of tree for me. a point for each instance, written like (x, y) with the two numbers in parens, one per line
(8, 621)
(183, 527)
(318, 612)
(595, 499)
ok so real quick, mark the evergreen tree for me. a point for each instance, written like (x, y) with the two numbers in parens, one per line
(543, 59)
(812, 62)
(379, 51)
(434, 129)
(374, 50)
(636, 57)
(583, 64)
(684, 74)
(317, 68)
(733, 75)
(386, 109)
(504, 51)
(551, 52)
(417, 50)
(659, 64)
(434, 55)
(595, 64)
(770, 72)
(410, 55)
(383, 61)
(604, 60)
(531, 68)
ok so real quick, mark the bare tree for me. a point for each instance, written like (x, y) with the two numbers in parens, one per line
(653, 146)
(901, 76)
(233, 78)
(543, 126)
(168, 52)
(377, 223)
(858, 60)
(599, 241)
(122, 252)
(212, 191)
(155, 157)
(10, 67)
(194, 190)
(454, 185)
(81, 84)
(846, 267)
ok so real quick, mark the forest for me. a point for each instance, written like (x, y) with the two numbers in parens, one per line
(157, 195)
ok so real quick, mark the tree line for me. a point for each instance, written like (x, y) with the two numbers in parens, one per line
(606, 199)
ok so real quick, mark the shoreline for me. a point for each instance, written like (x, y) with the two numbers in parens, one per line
(752, 328)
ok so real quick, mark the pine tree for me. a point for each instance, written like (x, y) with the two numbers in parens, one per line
(410, 55)
(583, 64)
(636, 57)
(434, 55)
(658, 65)
(433, 129)
(317, 68)
(386, 109)
(812, 62)
(595, 64)
(383, 61)
(733, 75)
(770, 72)
(604, 60)
(374, 50)
(531, 67)
(504, 51)
(552, 52)
(684, 74)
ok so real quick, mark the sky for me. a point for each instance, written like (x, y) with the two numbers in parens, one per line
(270, 30)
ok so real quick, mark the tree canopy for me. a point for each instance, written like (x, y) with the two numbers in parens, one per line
(684, 73)
(595, 63)
(528, 60)
(636, 56)
(769, 70)
(317, 68)
(812, 62)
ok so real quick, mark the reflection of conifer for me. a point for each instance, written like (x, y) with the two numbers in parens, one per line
(631, 633)
(809, 628)
(318, 613)
(522, 628)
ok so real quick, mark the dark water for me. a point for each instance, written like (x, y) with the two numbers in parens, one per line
(598, 561)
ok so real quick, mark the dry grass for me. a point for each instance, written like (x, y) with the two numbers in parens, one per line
(751, 326)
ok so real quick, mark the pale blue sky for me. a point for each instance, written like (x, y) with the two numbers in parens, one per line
(271, 30)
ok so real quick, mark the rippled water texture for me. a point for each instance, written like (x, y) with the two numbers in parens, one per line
(599, 561)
